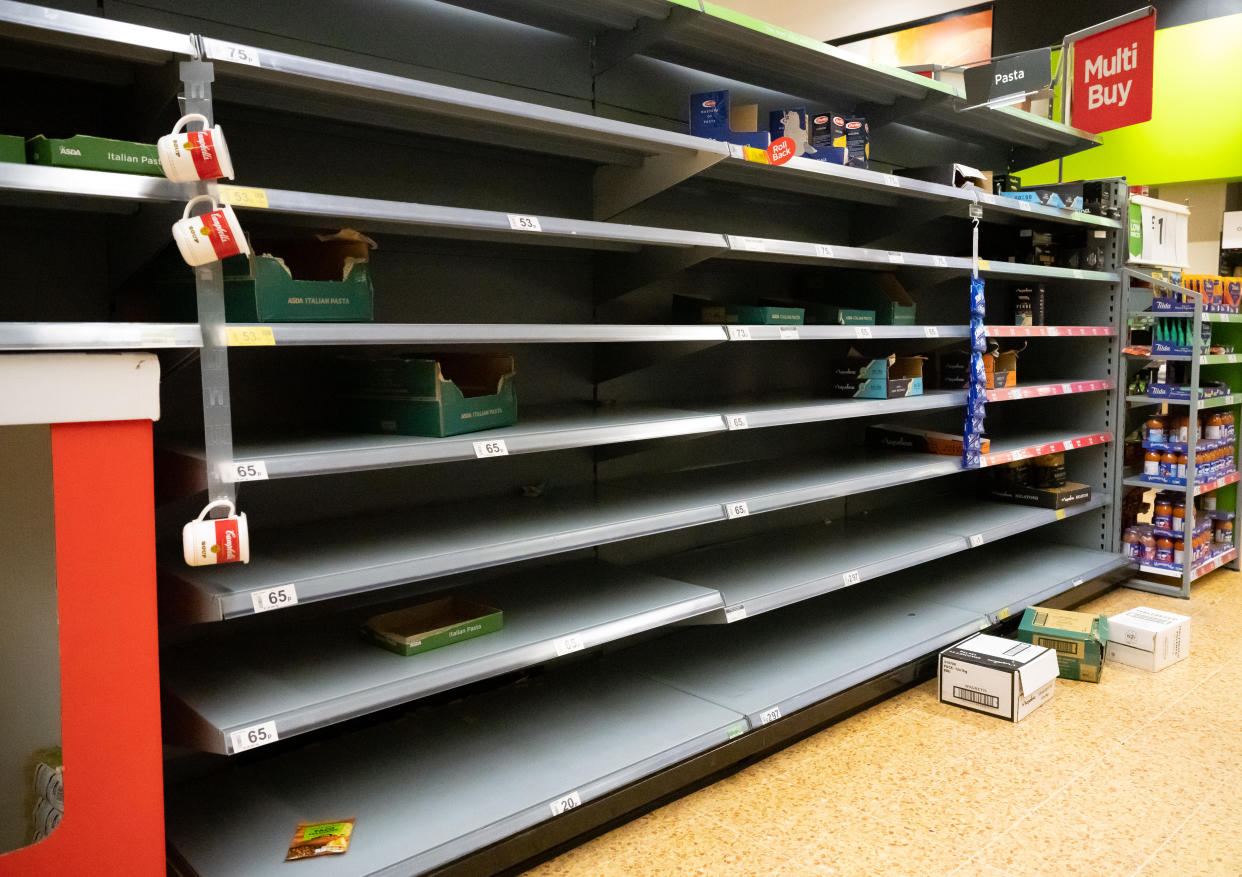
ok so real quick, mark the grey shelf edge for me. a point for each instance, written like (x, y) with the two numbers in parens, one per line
(851, 333)
(1210, 402)
(1204, 317)
(73, 30)
(778, 414)
(295, 334)
(811, 175)
(1047, 593)
(98, 336)
(1201, 487)
(74, 182)
(649, 603)
(361, 452)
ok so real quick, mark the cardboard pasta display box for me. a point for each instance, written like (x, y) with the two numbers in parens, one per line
(430, 394)
(995, 676)
(95, 153)
(1071, 494)
(898, 437)
(1001, 367)
(432, 625)
(1077, 637)
(688, 309)
(889, 377)
(884, 294)
(12, 149)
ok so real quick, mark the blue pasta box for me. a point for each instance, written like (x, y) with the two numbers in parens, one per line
(794, 124)
(891, 377)
(712, 116)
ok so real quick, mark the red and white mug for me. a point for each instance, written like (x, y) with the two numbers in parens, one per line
(210, 236)
(206, 542)
(189, 156)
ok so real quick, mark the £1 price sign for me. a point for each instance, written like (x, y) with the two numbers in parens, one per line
(1113, 77)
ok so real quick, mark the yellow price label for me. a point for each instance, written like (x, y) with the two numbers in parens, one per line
(1003, 614)
(250, 336)
(750, 153)
(1060, 514)
(239, 196)
(985, 265)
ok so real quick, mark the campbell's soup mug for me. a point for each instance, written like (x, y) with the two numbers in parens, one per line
(209, 236)
(206, 542)
(188, 156)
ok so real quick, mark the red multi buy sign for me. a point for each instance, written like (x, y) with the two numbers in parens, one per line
(1113, 76)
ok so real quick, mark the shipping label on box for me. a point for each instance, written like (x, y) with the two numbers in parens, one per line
(1148, 638)
(1077, 638)
(997, 676)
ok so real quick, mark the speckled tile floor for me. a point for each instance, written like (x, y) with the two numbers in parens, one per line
(1138, 775)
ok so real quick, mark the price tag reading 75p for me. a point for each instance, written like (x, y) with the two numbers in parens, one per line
(274, 598)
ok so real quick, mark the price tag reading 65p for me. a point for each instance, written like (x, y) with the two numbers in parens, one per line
(274, 598)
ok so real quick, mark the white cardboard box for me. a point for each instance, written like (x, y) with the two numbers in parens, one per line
(997, 676)
(1148, 638)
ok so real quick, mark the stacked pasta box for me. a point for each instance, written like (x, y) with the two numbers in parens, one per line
(49, 793)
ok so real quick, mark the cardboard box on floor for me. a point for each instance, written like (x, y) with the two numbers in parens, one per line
(997, 677)
(1077, 637)
(1148, 638)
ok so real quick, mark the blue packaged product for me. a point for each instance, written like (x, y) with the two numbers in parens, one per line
(823, 136)
(710, 118)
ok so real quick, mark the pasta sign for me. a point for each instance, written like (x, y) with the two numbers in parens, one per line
(1113, 76)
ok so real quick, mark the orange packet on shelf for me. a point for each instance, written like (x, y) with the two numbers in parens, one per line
(314, 839)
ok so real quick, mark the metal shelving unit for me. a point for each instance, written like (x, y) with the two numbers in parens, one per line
(617, 446)
(323, 672)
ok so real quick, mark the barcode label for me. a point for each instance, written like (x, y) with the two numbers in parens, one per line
(862, 331)
(989, 700)
(736, 510)
(976, 540)
(569, 802)
(736, 421)
(824, 251)
(567, 644)
(940, 261)
(739, 333)
(1062, 646)
(852, 577)
(522, 222)
(769, 715)
(788, 333)
(735, 613)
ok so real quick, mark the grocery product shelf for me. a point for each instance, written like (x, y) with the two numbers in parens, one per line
(342, 334)
(1043, 390)
(1210, 402)
(546, 428)
(773, 570)
(1050, 331)
(480, 770)
(1200, 488)
(1205, 317)
(785, 660)
(98, 336)
(997, 581)
(1028, 445)
(91, 33)
(846, 333)
(322, 671)
(783, 412)
(1213, 563)
(73, 187)
(1204, 359)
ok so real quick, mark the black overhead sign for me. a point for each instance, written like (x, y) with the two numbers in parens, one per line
(1009, 76)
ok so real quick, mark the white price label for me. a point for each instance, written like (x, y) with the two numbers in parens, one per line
(897, 258)
(736, 421)
(1024, 206)
(569, 802)
(1053, 331)
(494, 448)
(735, 613)
(1077, 582)
(238, 54)
(890, 180)
(254, 736)
(1231, 358)
(824, 251)
(1077, 274)
(862, 331)
(274, 598)
(931, 332)
(789, 333)
(736, 510)
(569, 644)
(769, 715)
(940, 261)
(754, 245)
(976, 540)
(522, 222)
(250, 470)
(1067, 388)
(852, 577)
(739, 333)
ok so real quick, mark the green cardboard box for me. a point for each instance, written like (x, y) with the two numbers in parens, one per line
(431, 394)
(96, 154)
(12, 149)
(433, 625)
(884, 294)
(831, 315)
(764, 315)
(1079, 639)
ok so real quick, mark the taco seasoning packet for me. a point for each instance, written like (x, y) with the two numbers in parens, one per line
(315, 839)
